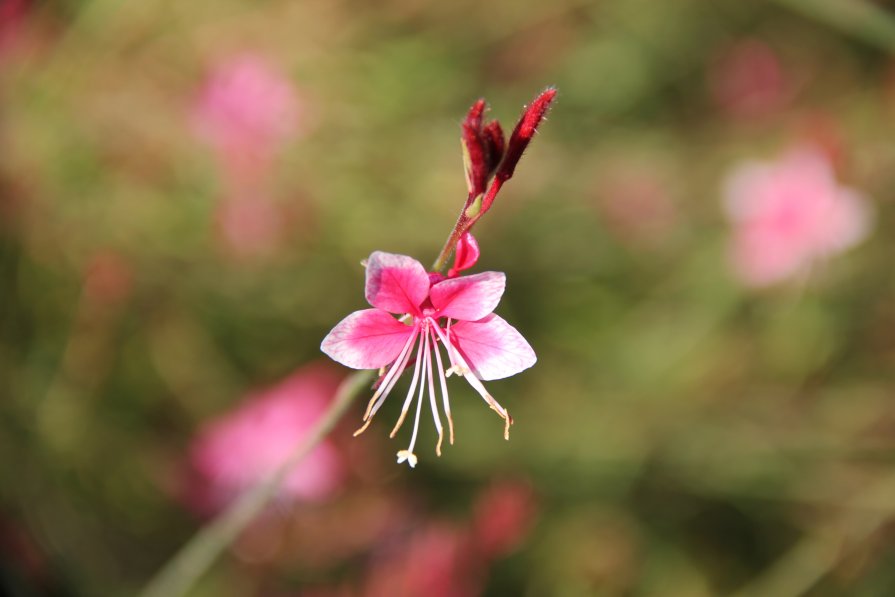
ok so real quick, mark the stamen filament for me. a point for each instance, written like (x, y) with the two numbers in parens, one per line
(394, 373)
(463, 369)
(444, 390)
(430, 337)
(409, 398)
(419, 401)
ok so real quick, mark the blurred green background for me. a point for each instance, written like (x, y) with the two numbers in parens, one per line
(681, 434)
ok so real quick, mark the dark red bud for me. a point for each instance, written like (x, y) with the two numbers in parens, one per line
(495, 144)
(535, 113)
(524, 131)
(474, 116)
(476, 157)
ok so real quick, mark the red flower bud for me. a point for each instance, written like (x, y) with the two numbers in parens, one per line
(524, 131)
(475, 156)
(495, 144)
(486, 155)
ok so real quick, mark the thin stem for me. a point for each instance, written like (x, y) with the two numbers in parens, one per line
(448, 248)
(187, 565)
(464, 222)
(460, 227)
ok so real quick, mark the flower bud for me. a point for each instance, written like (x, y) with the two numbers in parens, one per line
(524, 131)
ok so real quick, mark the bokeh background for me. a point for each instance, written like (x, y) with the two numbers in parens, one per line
(187, 190)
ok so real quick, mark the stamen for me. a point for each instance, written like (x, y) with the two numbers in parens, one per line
(432, 403)
(394, 373)
(404, 409)
(408, 453)
(475, 382)
(444, 390)
(391, 386)
(406, 456)
(363, 427)
(456, 368)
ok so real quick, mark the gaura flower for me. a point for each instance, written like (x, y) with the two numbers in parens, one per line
(789, 214)
(455, 312)
(246, 110)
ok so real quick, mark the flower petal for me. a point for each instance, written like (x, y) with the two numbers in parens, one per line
(468, 298)
(493, 348)
(396, 283)
(366, 339)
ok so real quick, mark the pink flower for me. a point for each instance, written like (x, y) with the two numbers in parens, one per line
(12, 17)
(789, 214)
(456, 312)
(749, 80)
(246, 109)
(437, 561)
(239, 448)
(504, 514)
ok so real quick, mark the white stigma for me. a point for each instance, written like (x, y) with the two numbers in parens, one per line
(408, 457)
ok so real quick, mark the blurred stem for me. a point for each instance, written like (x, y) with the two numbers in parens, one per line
(857, 17)
(807, 563)
(187, 565)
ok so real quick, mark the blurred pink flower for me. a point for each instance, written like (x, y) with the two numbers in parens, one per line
(504, 513)
(749, 80)
(789, 214)
(249, 226)
(12, 16)
(239, 448)
(245, 110)
(437, 561)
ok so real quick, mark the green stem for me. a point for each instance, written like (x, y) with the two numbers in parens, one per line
(448, 249)
(187, 565)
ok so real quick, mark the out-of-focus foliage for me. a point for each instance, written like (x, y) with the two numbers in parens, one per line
(681, 434)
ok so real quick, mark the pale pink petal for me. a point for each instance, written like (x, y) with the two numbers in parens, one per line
(789, 214)
(246, 104)
(739, 198)
(852, 221)
(396, 283)
(761, 258)
(493, 348)
(366, 339)
(469, 298)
